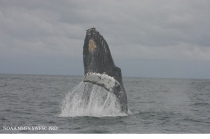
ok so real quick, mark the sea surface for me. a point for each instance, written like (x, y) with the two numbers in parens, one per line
(35, 104)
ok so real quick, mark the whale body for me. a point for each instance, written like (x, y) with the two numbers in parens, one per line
(99, 67)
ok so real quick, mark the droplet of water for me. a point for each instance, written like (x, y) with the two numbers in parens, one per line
(87, 99)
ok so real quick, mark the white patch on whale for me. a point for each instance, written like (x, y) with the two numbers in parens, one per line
(104, 80)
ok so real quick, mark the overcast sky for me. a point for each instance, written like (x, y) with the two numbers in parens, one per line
(147, 38)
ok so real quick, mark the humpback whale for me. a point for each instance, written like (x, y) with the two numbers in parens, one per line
(99, 67)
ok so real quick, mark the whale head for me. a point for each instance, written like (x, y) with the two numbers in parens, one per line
(97, 56)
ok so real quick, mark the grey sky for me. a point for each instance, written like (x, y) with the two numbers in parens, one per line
(147, 38)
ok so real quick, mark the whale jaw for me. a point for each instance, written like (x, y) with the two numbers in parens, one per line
(103, 80)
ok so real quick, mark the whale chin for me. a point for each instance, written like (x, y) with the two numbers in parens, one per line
(99, 67)
(103, 80)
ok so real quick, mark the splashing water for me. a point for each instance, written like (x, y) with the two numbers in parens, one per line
(87, 99)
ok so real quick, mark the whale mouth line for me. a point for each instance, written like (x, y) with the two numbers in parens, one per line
(103, 80)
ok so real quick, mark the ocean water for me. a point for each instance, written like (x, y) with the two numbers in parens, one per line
(53, 104)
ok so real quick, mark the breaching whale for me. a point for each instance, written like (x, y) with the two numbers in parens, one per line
(99, 67)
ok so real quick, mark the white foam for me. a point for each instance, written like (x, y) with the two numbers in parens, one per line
(96, 102)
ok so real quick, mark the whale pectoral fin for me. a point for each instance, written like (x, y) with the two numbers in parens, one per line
(104, 80)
